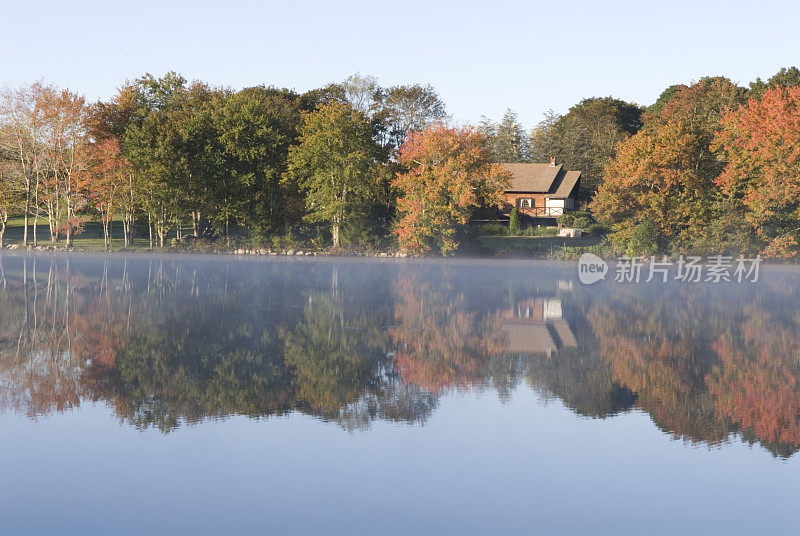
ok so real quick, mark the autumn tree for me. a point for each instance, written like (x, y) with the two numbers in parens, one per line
(65, 156)
(441, 342)
(109, 175)
(334, 164)
(662, 353)
(43, 134)
(449, 173)
(652, 181)
(105, 124)
(761, 143)
(664, 176)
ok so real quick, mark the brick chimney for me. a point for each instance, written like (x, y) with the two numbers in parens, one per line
(553, 161)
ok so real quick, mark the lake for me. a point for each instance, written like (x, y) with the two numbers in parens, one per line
(184, 394)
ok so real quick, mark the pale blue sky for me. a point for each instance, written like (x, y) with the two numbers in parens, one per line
(481, 56)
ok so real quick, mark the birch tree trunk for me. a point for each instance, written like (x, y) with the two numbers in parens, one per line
(3, 220)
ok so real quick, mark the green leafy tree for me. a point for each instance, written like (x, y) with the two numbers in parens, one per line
(407, 108)
(334, 165)
(150, 140)
(666, 96)
(784, 78)
(507, 140)
(333, 354)
(586, 138)
(256, 126)
(362, 92)
(12, 190)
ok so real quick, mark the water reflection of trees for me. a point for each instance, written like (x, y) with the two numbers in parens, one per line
(441, 341)
(164, 342)
(170, 341)
(708, 361)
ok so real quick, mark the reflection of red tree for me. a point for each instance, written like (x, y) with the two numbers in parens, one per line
(440, 343)
(97, 332)
(757, 385)
(59, 328)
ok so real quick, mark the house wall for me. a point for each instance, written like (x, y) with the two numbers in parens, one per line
(511, 201)
(539, 201)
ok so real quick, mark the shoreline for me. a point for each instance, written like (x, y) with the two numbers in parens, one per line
(339, 255)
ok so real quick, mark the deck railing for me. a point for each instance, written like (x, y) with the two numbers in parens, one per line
(543, 212)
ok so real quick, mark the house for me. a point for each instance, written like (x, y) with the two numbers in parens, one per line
(542, 190)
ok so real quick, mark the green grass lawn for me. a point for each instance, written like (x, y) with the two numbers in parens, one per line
(90, 238)
(536, 246)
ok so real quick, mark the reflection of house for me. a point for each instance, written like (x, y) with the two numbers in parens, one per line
(536, 326)
(564, 285)
(529, 338)
(542, 190)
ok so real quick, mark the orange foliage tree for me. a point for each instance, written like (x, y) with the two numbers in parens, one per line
(65, 154)
(449, 175)
(652, 178)
(108, 181)
(664, 175)
(762, 143)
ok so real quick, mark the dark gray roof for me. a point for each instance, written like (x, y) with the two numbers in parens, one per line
(542, 179)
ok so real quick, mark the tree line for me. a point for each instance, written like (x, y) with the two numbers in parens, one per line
(713, 169)
(709, 166)
(164, 155)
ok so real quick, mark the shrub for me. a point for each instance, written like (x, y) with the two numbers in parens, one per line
(576, 218)
(595, 229)
(644, 239)
(566, 219)
(603, 250)
(581, 222)
(514, 221)
(547, 231)
(493, 229)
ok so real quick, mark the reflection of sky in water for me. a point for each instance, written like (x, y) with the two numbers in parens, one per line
(475, 467)
(480, 398)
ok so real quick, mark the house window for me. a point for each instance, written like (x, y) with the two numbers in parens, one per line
(524, 202)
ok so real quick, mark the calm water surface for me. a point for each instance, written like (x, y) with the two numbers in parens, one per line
(208, 395)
